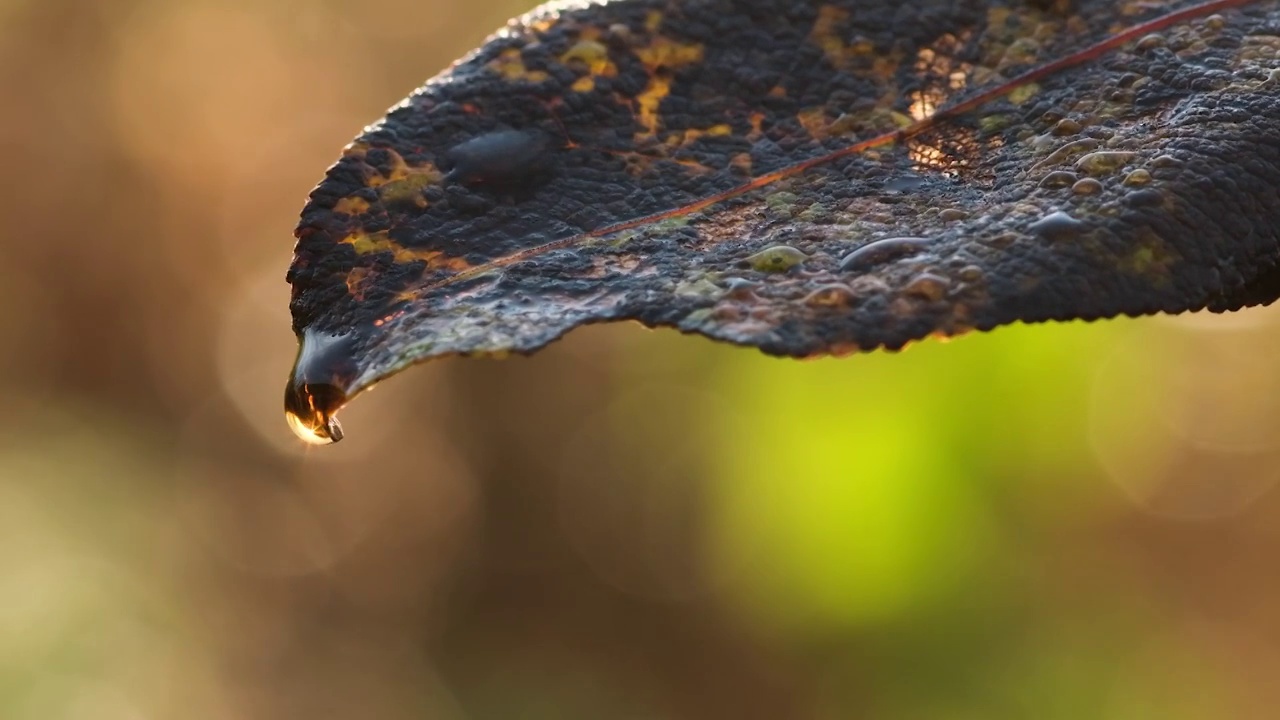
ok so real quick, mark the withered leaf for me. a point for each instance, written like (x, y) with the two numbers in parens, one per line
(801, 176)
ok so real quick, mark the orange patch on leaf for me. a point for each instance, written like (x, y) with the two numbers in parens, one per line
(351, 206)
(365, 244)
(661, 57)
(356, 281)
(404, 182)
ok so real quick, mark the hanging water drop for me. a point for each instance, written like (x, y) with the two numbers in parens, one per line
(318, 385)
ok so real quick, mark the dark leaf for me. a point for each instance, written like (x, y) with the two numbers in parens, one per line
(804, 177)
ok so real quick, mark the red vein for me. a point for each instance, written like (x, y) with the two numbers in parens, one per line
(1034, 75)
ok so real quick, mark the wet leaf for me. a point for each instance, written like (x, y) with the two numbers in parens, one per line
(804, 177)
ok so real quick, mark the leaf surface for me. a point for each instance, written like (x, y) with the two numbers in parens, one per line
(804, 177)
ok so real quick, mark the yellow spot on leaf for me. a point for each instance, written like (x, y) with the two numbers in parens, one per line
(1022, 51)
(594, 55)
(826, 36)
(356, 280)
(697, 167)
(351, 205)
(356, 149)
(365, 243)
(1149, 258)
(663, 52)
(1023, 93)
(510, 65)
(404, 182)
(648, 101)
(998, 17)
(815, 122)
(660, 57)
(687, 137)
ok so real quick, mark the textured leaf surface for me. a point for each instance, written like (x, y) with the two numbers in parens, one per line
(803, 177)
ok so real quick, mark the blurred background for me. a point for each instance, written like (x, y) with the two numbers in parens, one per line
(1061, 521)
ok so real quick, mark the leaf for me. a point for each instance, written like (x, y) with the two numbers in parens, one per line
(803, 177)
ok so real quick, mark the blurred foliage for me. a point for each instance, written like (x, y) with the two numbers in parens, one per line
(1058, 521)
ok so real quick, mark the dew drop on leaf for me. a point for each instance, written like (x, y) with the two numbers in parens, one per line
(503, 157)
(882, 251)
(1057, 225)
(779, 258)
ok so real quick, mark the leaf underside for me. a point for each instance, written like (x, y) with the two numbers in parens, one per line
(689, 165)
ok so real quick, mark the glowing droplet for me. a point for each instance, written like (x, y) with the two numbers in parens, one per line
(318, 386)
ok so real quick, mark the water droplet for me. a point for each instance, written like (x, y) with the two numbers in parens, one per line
(1058, 179)
(1164, 161)
(882, 251)
(779, 258)
(1137, 177)
(1215, 22)
(904, 184)
(1071, 149)
(1066, 126)
(740, 288)
(1087, 186)
(833, 295)
(1150, 42)
(1103, 161)
(868, 285)
(318, 385)
(927, 286)
(1057, 225)
(501, 157)
(970, 273)
(1144, 198)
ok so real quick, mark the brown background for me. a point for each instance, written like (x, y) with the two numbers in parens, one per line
(1063, 521)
